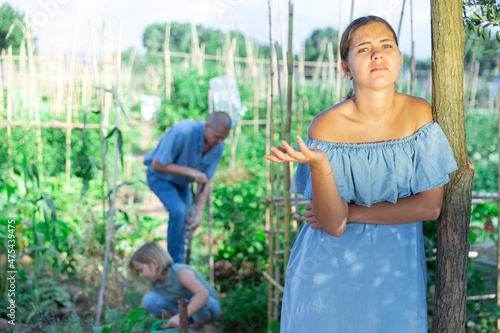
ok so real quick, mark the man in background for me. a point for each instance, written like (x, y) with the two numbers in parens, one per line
(189, 151)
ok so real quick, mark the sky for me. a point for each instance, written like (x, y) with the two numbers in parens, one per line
(64, 24)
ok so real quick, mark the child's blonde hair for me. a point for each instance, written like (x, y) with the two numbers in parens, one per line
(147, 253)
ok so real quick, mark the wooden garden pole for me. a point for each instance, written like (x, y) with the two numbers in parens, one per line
(60, 76)
(303, 97)
(110, 234)
(453, 224)
(85, 80)
(412, 61)
(498, 201)
(401, 18)
(2, 105)
(210, 210)
(69, 104)
(319, 63)
(10, 83)
(471, 74)
(98, 102)
(352, 11)
(283, 47)
(168, 66)
(33, 104)
(270, 167)
(331, 70)
(253, 73)
(474, 85)
(22, 81)
(288, 179)
(277, 234)
(341, 81)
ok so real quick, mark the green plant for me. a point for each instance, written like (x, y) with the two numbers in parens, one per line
(238, 212)
(245, 309)
(118, 322)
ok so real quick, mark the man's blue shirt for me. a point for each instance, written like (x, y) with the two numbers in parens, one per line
(183, 145)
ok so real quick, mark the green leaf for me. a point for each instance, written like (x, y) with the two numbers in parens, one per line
(119, 140)
(34, 172)
(110, 134)
(95, 163)
(472, 237)
(117, 100)
(493, 49)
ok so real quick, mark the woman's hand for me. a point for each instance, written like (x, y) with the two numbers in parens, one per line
(302, 154)
(308, 214)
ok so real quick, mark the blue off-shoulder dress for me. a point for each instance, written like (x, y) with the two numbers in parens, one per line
(372, 279)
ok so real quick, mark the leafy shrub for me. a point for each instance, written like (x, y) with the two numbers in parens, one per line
(245, 309)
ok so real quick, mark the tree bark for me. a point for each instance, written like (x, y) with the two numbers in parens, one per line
(453, 225)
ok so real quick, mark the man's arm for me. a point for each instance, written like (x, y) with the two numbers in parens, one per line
(200, 206)
(180, 170)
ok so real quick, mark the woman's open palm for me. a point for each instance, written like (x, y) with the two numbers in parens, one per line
(302, 154)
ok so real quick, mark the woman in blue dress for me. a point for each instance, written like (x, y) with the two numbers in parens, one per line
(375, 166)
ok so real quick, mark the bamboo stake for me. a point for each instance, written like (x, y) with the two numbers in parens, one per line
(331, 70)
(412, 61)
(85, 80)
(60, 76)
(101, 120)
(287, 166)
(340, 81)
(201, 59)
(128, 78)
(269, 165)
(195, 47)
(10, 85)
(33, 103)
(168, 67)
(2, 98)
(471, 74)
(110, 236)
(474, 85)
(108, 81)
(283, 47)
(211, 211)
(22, 81)
(252, 72)
(319, 63)
(302, 80)
(98, 102)
(69, 103)
(401, 18)
(498, 201)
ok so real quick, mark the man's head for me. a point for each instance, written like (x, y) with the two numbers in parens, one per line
(217, 128)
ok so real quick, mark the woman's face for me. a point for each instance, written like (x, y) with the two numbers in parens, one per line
(374, 60)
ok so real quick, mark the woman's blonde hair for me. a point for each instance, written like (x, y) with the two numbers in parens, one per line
(146, 253)
(347, 36)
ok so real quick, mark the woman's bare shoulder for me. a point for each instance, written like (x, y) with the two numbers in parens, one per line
(326, 123)
(417, 108)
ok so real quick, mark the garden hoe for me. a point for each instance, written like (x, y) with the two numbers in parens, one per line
(192, 215)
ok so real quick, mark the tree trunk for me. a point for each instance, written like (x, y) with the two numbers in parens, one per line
(453, 225)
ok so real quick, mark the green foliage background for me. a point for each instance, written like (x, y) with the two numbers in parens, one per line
(62, 224)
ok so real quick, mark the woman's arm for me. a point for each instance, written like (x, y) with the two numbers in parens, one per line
(329, 208)
(423, 206)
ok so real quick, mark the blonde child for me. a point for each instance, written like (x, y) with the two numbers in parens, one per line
(168, 282)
